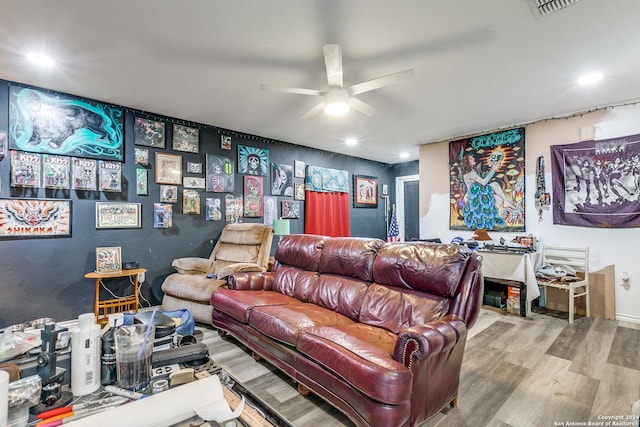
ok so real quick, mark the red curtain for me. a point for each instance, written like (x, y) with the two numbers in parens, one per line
(327, 214)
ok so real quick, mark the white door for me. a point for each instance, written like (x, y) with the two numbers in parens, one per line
(400, 201)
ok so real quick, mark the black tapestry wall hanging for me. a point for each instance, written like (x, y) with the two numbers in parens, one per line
(487, 182)
(46, 122)
(597, 183)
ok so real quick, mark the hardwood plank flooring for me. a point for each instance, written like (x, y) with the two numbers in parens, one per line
(533, 371)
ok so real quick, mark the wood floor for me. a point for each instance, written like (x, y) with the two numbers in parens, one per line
(533, 371)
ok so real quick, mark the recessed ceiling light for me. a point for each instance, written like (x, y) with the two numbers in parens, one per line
(40, 59)
(589, 79)
(351, 141)
(404, 155)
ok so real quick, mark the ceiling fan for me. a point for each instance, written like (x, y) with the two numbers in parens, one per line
(338, 100)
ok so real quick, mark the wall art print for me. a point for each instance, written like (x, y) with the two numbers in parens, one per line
(270, 209)
(142, 156)
(110, 176)
(365, 191)
(253, 193)
(118, 215)
(35, 218)
(47, 122)
(169, 193)
(253, 161)
(148, 132)
(290, 209)
(233, 209)
(84, 173)
(487, 182)
(142, 182)
(186, 138)
(25, 169)
(281, 180)
(109, 260)
(597, 183)
(190, 202)
(213, 209)
(56, 171)
(220, 174)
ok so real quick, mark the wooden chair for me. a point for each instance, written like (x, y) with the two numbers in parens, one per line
(572, 261)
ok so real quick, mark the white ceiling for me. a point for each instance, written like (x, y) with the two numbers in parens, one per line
(480, 64)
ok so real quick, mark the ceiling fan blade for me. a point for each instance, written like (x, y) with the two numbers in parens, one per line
(389, 79)
(363, 107)
(333, 63)
(315, 110)
(296, 90)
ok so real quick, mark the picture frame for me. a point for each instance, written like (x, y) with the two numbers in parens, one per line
(169, 193)
(142, 156)
(299, 166)
(289, 209)
(118, 215)
(225, 142)
(193, 167)
(186, 138)
(193, 182)
(365, 191)
(17, 219)
(168, 168)
(109, 259)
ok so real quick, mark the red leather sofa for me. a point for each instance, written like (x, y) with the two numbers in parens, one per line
(377, 329)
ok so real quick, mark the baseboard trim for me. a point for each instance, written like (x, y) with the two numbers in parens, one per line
(626, 318)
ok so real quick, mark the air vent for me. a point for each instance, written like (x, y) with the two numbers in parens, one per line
(543, 8)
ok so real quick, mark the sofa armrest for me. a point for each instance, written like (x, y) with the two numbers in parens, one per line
(421, 342)
(192, 265)
(239, 267)
(253, 281)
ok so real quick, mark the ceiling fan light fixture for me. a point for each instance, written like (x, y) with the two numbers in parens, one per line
(337, 102)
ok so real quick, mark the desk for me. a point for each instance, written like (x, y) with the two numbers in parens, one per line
(520, 267)
(101, 308)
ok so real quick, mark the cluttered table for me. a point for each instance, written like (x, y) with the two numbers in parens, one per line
(511, 265)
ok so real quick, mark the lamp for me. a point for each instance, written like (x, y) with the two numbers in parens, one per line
(336, 102)
(481, 235)
(282, 227)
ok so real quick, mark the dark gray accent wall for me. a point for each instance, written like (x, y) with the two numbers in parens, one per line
(44, 277)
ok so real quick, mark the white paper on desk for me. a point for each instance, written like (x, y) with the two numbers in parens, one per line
(159, 410)
(219, 411)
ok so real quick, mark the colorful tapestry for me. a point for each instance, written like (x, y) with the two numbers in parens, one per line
(326, 180)
(597, 183)
(487, 182)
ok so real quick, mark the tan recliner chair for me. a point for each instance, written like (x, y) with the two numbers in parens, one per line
(241, 248)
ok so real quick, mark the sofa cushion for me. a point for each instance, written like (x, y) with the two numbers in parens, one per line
(436, 269)
(350, 256)
(339, 293)
(362, 356)
(285, 322)
(396, 308)
(300, 250)
(238, 304)
(293, 281)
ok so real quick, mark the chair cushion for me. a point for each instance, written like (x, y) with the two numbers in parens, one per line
(192, 265)
(193, 287)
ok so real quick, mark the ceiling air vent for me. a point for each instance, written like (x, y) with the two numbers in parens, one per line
(543, 8)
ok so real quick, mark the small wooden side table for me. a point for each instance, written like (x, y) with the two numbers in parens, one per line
(102, 308)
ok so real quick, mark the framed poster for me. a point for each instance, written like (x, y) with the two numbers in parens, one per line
(487, 182)
(35, 218)
(225, 142)
(56, 171)
(148, 132)
(118, 215)
(253, 207)
(109, 260)
(253, 161)
(193, 182)
(365, 191)
(281, 180)
(84, 173)
(47, 122)
(110, 176)
(25, 169)
(142, 156)
(186, 139)
(190, 202)
(193, 167)
(168, 168)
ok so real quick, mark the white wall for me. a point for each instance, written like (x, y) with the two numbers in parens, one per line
(606, 246)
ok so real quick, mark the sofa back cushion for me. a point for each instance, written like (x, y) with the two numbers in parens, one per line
(350, 257)
(436, 269)
(300, 250)
(338, 293)
(395, 309)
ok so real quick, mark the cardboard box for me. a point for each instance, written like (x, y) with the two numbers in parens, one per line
(513, 305)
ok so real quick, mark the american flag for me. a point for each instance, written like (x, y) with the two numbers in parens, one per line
(394, 232)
